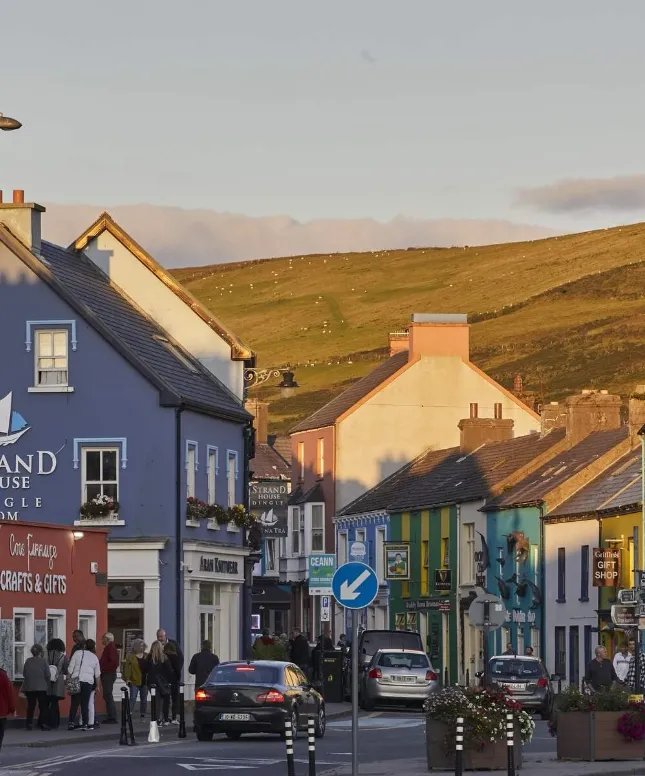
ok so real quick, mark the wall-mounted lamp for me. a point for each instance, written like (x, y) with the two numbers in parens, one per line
(78, 534)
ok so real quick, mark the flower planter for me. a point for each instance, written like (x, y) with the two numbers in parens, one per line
(592, 736)
(493, 757)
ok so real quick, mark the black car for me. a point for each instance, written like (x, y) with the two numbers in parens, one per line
(256, 697)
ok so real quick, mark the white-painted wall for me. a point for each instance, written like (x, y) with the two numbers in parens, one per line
(174, 315)
(420, 409)
(572, 536)
(469, 514)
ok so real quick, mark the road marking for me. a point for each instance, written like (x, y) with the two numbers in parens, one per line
(220, 764)
(377, 723)
(15, 770)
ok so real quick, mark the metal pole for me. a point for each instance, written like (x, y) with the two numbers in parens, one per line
(510, 743)
(459, 747)
(355, 692)
(123, 740)
(311, 741)
(182, 713)
(486, 653)
(288, 736)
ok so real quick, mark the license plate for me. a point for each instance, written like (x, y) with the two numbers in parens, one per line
(405, 679)
(235, 717)
(516, 686)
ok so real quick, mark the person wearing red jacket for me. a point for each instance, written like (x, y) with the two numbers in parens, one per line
(109, 663)
(7, 703)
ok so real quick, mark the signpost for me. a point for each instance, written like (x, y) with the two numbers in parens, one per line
(487, 613)
(624, 616)
(325, 609)
(629, 596)
(355, 586)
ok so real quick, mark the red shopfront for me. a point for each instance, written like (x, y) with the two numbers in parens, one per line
(53, 580)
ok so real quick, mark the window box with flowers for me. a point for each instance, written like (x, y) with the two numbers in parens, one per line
(101, 510)
(217, 516)
(484, 712)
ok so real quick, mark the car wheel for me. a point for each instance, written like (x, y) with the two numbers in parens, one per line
(204, 735)
(365, 703)
(294, 725)
(321, 722)
(233, 736)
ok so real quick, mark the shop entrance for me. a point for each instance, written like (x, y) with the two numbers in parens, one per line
(125, 615)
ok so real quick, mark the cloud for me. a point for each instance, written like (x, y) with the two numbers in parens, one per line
(367, 57)
(621, 193)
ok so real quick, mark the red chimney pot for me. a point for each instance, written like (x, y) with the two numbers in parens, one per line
(18, 196)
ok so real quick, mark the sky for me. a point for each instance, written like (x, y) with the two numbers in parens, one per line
(530, 112)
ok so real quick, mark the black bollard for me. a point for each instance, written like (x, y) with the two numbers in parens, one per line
(128, 707)
(510, 743)
(459, 747)
(445, 677)
(182, 713)
(123, 740)
(288, 735)
(311, 741)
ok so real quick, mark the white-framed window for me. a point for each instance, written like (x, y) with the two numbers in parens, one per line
(191, 468)
(341, 551)
(535, 641)
(360, 535)
(100, 473)
(51, 357)
(295, 530)
(87, 623)
(301, 460)
(270, 555)
(534, 565)
(320, 458)
(23, 638)
(317, 528)
(231, 475)
(379, 560)
(468, 557)
(212, 468)
(55, 624)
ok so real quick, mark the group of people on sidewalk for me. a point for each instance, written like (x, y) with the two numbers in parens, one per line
(297, 650)
(602, 673)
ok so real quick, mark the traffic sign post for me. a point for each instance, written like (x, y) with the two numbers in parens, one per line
(325, 613)
(355, 586)
(488, 613)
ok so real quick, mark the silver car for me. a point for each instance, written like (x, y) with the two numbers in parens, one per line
(397, 676)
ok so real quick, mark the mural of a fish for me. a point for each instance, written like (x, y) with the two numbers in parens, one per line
(503, 589)
(485, 553)
(537, 595)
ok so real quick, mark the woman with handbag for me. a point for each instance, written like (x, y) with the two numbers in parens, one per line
(58, 662)
(160, 674)
(83, 674)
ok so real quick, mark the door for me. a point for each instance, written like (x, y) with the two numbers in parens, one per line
(574, 656)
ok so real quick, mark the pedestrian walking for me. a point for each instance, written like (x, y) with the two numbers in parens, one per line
(170, 650)
(300, 651)
(92, 722)
(79, 640)
(83, 674)
(159, 674)
(7, 702)
(109, 664)
(162, 637)
(622, 662)
(134, 674)
(202, 663)
(35, 686)
(58, 663)
(600, 673)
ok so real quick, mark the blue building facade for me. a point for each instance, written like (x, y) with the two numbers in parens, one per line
(105, 420)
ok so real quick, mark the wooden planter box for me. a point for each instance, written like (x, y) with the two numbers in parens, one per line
(594, 736)
(493, 757)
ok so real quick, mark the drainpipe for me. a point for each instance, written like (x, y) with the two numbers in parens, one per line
(179, 516)
(458, 609)
(250, 560)
(543, 642)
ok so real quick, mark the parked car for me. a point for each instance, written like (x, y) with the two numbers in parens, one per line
(397, 676)
(527, 679)
(256, 697)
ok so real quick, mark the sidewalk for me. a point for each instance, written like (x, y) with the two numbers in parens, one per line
(18, 736)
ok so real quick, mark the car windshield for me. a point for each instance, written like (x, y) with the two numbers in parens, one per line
(528, 668)
(244, 674)
(403, 660)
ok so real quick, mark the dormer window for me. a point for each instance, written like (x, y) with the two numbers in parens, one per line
(51, 353)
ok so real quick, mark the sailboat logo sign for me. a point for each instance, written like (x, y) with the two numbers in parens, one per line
(12, 424)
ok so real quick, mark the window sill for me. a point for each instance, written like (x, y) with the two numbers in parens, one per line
(584, 600)
(232, 528)
(560, 600)
(99, 522)
(192, 523)
(50, 389)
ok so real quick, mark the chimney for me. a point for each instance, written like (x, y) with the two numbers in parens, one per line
(591, 411)
(439, 335)
(22, 219)
(398, 342)
(552, 415)
(476, 431)
(518, 385)
(637, 411)
(260, 411)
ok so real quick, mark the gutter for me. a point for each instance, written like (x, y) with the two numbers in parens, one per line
(543, 641)
(178, 524)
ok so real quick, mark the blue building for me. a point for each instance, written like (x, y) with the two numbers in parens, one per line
(120, 400)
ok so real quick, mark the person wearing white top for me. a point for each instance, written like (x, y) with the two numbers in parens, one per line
(83, 665)
(622, 662)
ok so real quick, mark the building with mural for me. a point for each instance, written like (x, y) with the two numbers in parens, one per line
(120, 403)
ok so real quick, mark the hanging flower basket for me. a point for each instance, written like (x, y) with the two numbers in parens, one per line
(241, 517)
(101, 506)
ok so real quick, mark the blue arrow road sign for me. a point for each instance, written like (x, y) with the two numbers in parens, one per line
(355, 585)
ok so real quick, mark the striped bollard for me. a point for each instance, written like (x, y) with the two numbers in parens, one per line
(510, 743)
(311, 740)
(288, 735)
(459, 747)
(182, 713)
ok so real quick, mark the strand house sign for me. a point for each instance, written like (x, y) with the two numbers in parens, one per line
(606, 567)
(217, 566)
(17, 472)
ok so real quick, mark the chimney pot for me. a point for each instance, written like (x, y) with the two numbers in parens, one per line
(0, 196)
(474, 410)
(475, 432)
(498, 411)
(18, 197)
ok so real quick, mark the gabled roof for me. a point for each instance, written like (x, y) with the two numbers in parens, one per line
(534, 488)
(105, 223)
(331, 412)
(179, 377)
(282, 445)
(449, 476)
(268, 464)
(617, 489)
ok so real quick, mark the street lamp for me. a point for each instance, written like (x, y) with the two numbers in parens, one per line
(7, 123)
(254, 377)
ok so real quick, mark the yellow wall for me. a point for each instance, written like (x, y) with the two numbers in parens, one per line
(622, 527)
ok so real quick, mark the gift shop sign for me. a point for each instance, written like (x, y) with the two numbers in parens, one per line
(26, 554)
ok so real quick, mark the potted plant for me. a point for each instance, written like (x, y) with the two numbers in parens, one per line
(196, 509)
(100, 507)
(484, 712)
(602, 726)
(218, 514)
(241, 517)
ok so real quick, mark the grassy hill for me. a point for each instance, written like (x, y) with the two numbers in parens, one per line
(566, 313)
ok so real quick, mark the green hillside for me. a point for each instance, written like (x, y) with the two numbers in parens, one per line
(566, 313)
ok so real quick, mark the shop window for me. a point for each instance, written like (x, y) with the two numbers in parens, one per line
(51, 354)
(191, 468)
(560, 653)
(231, 475)
(87, 624)
(342, 548)
(207, 627)
(100, 473)
(211, 473)
(317, 528)
(584, 573)
(23, 639)
(55, 625)
(562, 575)
(270, 555)
(208, 594)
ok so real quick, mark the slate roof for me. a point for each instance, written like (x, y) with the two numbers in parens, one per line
(450, 476)
(178, 374)
(329, 414)
(268, 464)
(614, 490)
(282, 445)
(534, 488)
